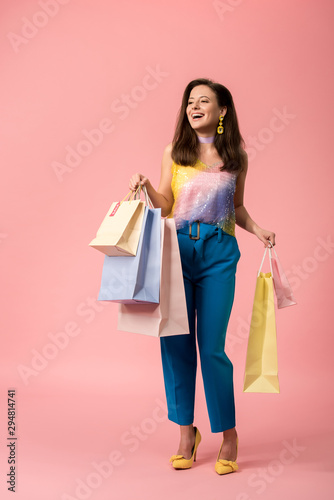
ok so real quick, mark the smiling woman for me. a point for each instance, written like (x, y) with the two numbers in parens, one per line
(202, 184)
(203, 103)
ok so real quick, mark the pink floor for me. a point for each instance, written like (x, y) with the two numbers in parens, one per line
(79, 440)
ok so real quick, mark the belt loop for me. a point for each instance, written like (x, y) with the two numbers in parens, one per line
(190, 231)
(220, 235)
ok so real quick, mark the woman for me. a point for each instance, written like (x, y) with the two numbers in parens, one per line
(202, 187)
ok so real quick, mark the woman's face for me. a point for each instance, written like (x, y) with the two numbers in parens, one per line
(203, 110)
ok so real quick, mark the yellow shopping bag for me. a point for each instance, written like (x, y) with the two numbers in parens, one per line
(120, 229)
(261, 374)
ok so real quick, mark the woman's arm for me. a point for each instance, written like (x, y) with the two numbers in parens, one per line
(243, 219)
(163, 197)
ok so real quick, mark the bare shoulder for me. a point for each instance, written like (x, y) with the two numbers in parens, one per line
(167, 160)
(244, 157)
(166, 175)
(168, 150)
(243, 153)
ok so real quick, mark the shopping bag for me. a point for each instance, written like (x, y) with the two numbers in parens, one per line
(283, 291)
(120, 229)
(137, 278)
(261, 371)
(169, 317)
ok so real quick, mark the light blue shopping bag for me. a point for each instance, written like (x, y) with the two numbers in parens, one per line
(136, 279)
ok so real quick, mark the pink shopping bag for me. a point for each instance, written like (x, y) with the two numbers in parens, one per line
(283, 291)
(169, 317)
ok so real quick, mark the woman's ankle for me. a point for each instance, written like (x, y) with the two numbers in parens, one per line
(230, 434)
(187, 431)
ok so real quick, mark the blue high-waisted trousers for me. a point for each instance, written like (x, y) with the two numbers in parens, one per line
(209, 267)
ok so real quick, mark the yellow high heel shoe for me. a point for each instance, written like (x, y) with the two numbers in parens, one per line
(226, 466)
(179, 462)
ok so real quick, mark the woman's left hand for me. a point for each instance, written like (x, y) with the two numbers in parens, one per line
(265, 236)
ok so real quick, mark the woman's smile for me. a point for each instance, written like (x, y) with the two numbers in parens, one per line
(197, 116)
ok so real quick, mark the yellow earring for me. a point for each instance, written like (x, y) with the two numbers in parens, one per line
(220, 128)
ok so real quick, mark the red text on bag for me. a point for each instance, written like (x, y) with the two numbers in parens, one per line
(116, 207)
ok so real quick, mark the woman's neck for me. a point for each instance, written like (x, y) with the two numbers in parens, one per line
(207, 148)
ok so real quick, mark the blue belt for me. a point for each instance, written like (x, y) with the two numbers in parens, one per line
(199, 231)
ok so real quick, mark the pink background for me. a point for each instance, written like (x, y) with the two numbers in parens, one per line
(65, 68)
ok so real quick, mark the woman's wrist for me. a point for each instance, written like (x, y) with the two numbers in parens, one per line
(148, 184)
(254, 228)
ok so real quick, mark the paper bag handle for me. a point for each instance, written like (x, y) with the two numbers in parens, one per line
(130, 196)
(271, 254)
(270, 257)
(147, 198)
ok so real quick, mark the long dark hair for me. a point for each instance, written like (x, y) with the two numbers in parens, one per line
(185, 142)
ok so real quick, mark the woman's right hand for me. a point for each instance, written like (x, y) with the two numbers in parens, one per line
(138, 180)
